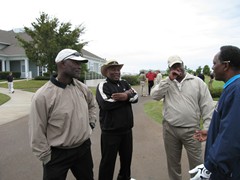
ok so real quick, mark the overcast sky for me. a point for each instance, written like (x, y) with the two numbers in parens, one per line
(141, 34)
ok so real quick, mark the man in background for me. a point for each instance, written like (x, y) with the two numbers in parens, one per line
(150, 76)
(210, 86)
(201, 76)
(10, 83)
(142, 80)
(158, 77)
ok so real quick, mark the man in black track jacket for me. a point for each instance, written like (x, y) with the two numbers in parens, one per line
(115, 98)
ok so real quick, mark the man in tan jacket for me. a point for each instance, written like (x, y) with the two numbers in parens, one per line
(63, 114)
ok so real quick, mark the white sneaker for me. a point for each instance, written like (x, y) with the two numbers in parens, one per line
(132, 179)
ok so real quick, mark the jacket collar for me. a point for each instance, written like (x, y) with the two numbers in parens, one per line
(59, 84)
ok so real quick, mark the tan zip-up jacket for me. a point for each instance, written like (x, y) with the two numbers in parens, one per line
(60, 116)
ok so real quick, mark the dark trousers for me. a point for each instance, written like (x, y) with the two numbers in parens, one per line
(150, 85)
(78, 160)
(111, 145)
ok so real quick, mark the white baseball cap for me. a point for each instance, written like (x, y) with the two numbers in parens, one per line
(173, 60)
(70, 54)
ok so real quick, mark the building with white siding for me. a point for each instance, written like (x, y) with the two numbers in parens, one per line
(13, 57)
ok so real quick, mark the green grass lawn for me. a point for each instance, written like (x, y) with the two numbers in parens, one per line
(27, 85)
(4, 98)
(93, 89)
(154, 110)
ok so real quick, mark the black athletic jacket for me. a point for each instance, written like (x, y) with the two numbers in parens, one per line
(115, 116)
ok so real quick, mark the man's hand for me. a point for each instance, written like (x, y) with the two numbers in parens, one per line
(202, 173)
(130, 91)
(174, 74)
(200, 135)
(120, 96)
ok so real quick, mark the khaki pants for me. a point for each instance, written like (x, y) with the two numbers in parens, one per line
(174, 140)
(143, 88)
(10, 87)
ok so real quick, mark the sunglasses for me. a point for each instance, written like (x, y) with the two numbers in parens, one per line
(73, 54)
(225, 62)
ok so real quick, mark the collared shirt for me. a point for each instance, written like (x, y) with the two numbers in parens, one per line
(179, 84)
(231, 80)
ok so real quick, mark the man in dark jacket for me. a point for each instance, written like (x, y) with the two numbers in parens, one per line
(10, 82)
(222, 153)
(115, 98)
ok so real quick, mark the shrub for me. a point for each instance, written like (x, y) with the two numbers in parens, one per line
(131, 79)
(3, 75)
(42, 78)
(46, 74)
(216, 92)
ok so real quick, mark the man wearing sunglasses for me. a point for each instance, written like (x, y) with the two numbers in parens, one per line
(63, 114)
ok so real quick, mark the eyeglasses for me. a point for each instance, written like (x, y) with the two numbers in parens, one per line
(73, 54)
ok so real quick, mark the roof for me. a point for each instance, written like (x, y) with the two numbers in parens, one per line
(87, 53)
(10, 46)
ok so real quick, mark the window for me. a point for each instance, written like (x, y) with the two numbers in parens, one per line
(23, 68)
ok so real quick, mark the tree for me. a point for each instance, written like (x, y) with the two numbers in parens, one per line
(48, 37)
(206, 70)
(199, 70)
(190, 71)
